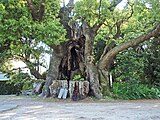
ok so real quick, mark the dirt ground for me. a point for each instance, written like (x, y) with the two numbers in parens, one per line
(33, 108)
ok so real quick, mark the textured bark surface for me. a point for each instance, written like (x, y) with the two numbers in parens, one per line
(55, 60)
(94, 81)
(72, 61)
(60, 50)
(91, 69)
(65, 64)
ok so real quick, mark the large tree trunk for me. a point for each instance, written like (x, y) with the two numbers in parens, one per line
(59, 51)
(55, 60)
(91, 69)
(94, 80)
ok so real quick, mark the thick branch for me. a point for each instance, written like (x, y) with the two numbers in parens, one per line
(96, 26)
(107, 48)
(89, 35)
(32, 9)
(41, 10)
(64, 17)
(70, 3)
(32, 69)
(105, 62)
(37, 15)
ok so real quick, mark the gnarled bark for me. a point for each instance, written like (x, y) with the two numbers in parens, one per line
(55, 60)
(59, 51)
(91, 69)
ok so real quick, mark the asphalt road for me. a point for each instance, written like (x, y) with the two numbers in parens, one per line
(27, 108)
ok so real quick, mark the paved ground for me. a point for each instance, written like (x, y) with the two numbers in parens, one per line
(26, 108)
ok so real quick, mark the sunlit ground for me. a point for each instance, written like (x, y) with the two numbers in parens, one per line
(32, 108)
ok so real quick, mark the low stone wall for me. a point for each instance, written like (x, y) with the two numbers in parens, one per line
(78, 89)
(56, 86)
(75, 89)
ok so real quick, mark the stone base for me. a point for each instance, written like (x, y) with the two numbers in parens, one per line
(77, 89)
(56, 86)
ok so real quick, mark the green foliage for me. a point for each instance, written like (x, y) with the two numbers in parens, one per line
(22, 36)
(50, 32)
(25, 37)
(135, 90)
(17, 22)
(137, 19)
(78, 78)
(87, 9)
(152, 62)
(129, 66)
(135, 67)
(22, 80)
(8, 88)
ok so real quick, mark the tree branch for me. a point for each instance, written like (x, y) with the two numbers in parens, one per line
(118, 33)
(70, 3)
(107, 48)
(31, 66)
(41, 10)
(64, 17)
(37, 15)
(105, 62)
(32, 9)
(96, 26)
(119, 23)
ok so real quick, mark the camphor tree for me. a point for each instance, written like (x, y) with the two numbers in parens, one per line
(136, 23)
(87, 22)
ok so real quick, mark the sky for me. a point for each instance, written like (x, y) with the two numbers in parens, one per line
(120, 6)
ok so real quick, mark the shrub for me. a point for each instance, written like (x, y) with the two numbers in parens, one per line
(22, 80)
(132, 91)
(151, 63)
(8, 88)
(78, 78)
